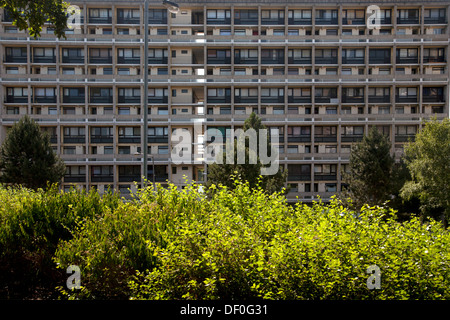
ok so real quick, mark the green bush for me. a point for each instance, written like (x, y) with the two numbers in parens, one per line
(31, 225)
(245, 244)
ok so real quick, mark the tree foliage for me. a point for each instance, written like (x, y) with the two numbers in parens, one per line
(27, 158)
(428, 159)
(246, 244)
(223, 173)
(31, 15)
(373, 176)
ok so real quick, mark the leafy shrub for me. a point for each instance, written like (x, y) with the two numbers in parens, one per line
(245, 244)
(31, 225)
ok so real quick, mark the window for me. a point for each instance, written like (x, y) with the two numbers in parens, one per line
(158, 132)
(278, 110)
(292, 149)
(69, 150)
(218, 14)
(163, 111)
(124, 111)
(12, 70)
(163, 71)
(225, 110)
(161, 32)
(124, 150)
(163, 150)
(123, 71)
(330, 187)
(68, 71)
(10, 29)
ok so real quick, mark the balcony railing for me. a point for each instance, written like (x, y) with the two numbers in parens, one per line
(414, 20)
(158, 139)
(44, 59)
(129, 177)
(270, 21)
(102, 178)
(437, 20)
(100, 20)
(53, 139)
(406, 99)
(246, 21)
(303, 138)
(325, 177)
(353, 60)
(404, 137)
(244, 99)
(16, 99)
(299, 177)
(74, 139)
(276, 99)
(352, 138)
(101, 99)
(75, 178)
(354, 21)
(101, 139)
(124, 60)
(294, 99)
(125, 99)
(219, 60)
(224, 99)
(357, 99)
(160, 20)
(218, 21)
(158, 60)
(320, 60)
(376, 60)
(158, 99)
(296, 21)
(428, 59)
(379, 99)
(158, 177)
(407, 60)
(325, 138)
(242, 60)
(100, 60)
(129, 139)
(272, 61)
(292, 60)
(73, 99)
(45, 99)
(122, 20)
(433, 98)
(72, 59)
(21, 59)
(324, 99)
(326, 21)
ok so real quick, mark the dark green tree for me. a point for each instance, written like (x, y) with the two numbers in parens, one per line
(31, 15)
(226, 172)
(428, 160)
(371, 178)
(26, 157)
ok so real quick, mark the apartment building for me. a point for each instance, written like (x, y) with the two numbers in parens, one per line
(313, 70)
